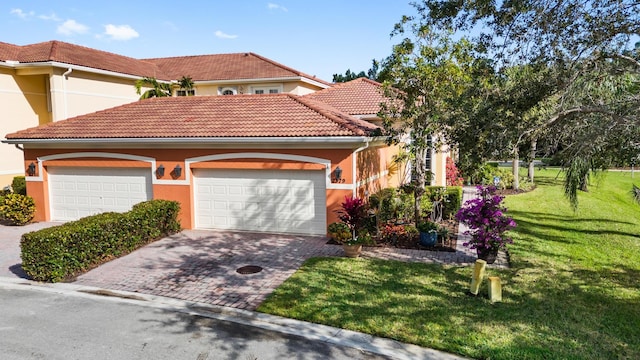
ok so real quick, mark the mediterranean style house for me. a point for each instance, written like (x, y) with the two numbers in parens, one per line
(51, 81)
(279, 160)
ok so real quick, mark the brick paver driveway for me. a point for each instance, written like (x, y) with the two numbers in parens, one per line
(198, 265)
(10, 247)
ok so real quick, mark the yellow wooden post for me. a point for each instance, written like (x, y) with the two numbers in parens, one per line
(478, 274)
(495, 289)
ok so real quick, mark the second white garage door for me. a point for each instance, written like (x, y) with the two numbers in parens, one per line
(261, 200)
(79, 192)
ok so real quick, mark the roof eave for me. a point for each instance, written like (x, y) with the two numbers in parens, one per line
(271, 79)
(200, 140)
(24, 65)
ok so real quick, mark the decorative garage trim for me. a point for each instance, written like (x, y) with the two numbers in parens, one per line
(187, 180)
(150, 160)
(290, 157)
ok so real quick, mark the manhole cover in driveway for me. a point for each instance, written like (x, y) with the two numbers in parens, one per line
(249, 269)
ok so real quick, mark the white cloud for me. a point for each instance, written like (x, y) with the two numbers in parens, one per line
(20, 13)
(120, 32)
(272, 6)
(53, 17)
(222, 35)
(71, 27)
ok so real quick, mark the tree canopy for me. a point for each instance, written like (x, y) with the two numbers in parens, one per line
(563, 75)
(375, 73)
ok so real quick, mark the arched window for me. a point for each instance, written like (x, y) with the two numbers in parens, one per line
(227, 90)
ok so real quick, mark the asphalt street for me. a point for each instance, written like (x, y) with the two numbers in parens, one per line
(37, 324)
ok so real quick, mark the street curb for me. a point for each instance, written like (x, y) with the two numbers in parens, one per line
(364, 342)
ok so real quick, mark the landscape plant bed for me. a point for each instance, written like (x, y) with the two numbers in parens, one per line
(448, 245)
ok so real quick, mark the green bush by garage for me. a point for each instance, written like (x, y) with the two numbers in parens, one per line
(62, 252)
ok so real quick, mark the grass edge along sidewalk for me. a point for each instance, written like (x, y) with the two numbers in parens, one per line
(572, 290)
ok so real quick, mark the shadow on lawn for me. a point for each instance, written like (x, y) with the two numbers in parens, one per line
(537, 225)
(544, 315)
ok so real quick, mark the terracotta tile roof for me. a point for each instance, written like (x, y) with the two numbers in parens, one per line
(8, 51)
(356, 97)
(226, 67)
(199, 68)
(273, 115)
(83, 56)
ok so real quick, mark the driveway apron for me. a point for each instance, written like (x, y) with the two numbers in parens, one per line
(201, 266)
(10, 247)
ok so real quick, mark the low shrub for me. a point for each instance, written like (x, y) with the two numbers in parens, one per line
(339, 232)
(451, 198)
(18, 209)
(61, 252)
(393, 234)
(19, 185)
(411, 231)
(392, 204)
(489, 171)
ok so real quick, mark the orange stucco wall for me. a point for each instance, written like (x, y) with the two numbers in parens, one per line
(183, 193)
(375, 170)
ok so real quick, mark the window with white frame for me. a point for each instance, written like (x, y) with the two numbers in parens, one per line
(191, 92)
(266, 89)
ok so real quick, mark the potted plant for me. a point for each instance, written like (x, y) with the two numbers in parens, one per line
(428, 233)
(352, 214)
(487, 223)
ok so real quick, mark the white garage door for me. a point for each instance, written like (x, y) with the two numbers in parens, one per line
(261, 200)
(79, 192)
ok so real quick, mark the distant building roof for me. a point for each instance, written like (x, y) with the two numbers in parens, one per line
(200, 67)
(356, 97)
(226, 67)
(272, 115)
(66, 53)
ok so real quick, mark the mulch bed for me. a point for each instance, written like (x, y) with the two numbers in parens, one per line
(448, 245)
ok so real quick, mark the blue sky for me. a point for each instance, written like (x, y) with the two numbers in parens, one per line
(317, 37)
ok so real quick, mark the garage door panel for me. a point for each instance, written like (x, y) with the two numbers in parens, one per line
(79, 192)
(261, 200)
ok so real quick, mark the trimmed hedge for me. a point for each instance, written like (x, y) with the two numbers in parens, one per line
(452, 198)
(62, 252)
(19, 185)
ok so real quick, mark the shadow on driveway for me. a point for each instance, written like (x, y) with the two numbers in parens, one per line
(200, 266)
(10, 247)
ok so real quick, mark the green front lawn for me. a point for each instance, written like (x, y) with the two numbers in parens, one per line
(573, 290)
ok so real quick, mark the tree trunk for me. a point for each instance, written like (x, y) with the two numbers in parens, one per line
(532, 167)
(584, 182)
(515, 168)
(420, 182)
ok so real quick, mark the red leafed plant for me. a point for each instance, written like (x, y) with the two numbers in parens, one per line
(352, 213)
(453, 174)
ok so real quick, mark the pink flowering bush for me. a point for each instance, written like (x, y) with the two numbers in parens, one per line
(453, 174)
(486, 220)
